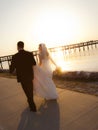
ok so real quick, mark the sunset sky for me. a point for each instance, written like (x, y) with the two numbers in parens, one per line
(54, 22)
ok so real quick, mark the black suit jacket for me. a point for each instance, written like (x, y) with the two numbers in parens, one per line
(23, 62)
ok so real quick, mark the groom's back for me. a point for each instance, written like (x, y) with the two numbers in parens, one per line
(24, 61)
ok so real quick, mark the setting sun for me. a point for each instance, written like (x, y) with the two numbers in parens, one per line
(56, 27)
(53, 22)
(59, 59)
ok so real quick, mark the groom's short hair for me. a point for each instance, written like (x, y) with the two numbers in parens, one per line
(20, 44)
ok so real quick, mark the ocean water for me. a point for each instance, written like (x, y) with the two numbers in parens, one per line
(75, 61)
(79, 60)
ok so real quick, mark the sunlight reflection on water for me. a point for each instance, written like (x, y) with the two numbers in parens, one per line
(78, 61)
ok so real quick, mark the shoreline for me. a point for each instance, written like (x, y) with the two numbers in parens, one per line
(79, 83)
(90, 87)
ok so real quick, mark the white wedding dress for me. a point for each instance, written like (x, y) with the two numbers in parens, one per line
(43, 83)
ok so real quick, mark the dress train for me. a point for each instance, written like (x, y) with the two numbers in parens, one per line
(43, 84)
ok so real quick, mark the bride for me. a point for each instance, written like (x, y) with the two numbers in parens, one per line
(43, 83)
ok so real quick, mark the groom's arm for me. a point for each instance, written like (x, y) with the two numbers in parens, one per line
(33, 59)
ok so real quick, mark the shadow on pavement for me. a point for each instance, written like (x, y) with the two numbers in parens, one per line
(47, 118)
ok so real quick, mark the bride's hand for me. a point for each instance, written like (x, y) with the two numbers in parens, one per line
(58, 68)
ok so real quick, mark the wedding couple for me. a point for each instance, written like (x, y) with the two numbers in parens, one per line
(34, 78)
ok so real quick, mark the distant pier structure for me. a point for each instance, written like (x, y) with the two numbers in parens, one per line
(79, 46)
(83, 46)
(8, 59)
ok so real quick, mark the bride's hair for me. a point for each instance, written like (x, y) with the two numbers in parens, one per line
(44, 51)
(44, 54)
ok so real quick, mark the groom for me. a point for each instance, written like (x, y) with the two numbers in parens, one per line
(23, 62)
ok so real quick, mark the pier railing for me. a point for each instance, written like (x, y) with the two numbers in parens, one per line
(83, 46)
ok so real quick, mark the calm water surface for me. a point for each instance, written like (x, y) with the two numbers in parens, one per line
(79, 61)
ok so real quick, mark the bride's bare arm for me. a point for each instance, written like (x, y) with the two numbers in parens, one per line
(52, 60)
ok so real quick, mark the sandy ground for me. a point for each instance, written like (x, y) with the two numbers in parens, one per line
(82, 86)
(78, 86)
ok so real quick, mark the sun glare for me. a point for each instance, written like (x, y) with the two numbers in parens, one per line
(60, 60)
(55, 28)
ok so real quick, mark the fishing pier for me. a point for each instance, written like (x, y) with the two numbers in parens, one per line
(83, 46)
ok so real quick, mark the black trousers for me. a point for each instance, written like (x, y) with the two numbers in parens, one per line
(28, 89)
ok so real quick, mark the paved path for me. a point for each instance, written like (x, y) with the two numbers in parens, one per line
(72, 111)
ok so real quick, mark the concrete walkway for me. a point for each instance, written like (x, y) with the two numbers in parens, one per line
(72, 111)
